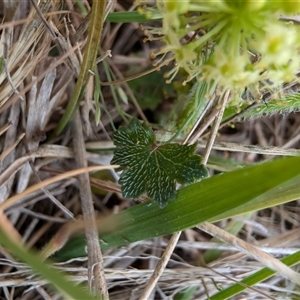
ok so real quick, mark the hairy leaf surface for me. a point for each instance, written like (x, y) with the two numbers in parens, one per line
(153, 168)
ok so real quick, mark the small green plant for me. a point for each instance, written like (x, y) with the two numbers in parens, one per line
(153, 168)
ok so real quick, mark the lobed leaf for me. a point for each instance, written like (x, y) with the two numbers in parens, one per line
(152, 168)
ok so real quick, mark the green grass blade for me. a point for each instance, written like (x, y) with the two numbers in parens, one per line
(1, 64)
(81, 7)
(255, 278)
(97, 92)
(55, 278)
(196, 203)
(132, 16)
(88, 62)
(223, 164)
(285, 192)
(187, 294)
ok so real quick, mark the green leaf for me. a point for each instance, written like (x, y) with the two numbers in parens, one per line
(186, 294)
(153, 168)
(1, 64)
(56, 279)
(215, 198)
(88, 63)
(255, 278)
(132, 16)
(151, 89)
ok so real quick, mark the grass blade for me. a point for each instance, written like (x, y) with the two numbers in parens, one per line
(88, 63)
(255, 278)
(59, 281)
(132, 16)
(204, 201)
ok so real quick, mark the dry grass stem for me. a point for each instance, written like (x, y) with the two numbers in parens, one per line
(160, 267)
(235, 147)
(215, 127)
(14, 199)
(95, 261)
(251, 250)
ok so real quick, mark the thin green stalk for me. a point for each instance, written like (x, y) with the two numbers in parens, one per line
(255, 278)
(88, 63)
(109, 75)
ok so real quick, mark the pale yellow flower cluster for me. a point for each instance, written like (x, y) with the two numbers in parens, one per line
(234, 44)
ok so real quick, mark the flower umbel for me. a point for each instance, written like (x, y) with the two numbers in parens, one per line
(231, 34)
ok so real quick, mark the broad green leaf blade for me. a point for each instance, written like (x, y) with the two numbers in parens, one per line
(285, 192)
(203, 201)
(255, 278)
(55, 278)
(152, 168)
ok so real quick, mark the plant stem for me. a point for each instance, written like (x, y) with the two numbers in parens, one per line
(89, 58)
